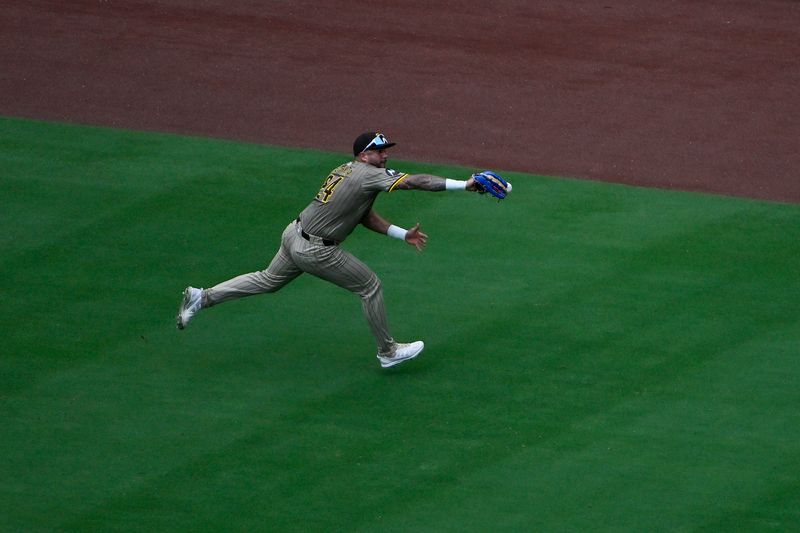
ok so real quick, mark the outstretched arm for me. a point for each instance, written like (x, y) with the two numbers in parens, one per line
(377, 223)
(429, 182)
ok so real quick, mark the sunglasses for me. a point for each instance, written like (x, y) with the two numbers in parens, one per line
(377, 142)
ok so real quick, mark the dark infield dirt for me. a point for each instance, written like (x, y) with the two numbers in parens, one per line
(684, 94)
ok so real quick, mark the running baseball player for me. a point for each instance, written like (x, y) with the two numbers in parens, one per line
(311, 242)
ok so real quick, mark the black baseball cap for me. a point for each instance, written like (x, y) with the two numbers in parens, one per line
(371, 140)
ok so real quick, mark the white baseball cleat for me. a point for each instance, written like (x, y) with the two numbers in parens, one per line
(402, 352)
(190, 306)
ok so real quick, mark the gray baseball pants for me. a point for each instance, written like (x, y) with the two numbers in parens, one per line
(297, 255)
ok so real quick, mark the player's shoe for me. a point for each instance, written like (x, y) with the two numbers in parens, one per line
(402, 352)
(190, 306)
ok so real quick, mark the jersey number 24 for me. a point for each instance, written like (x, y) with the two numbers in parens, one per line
(330, 184)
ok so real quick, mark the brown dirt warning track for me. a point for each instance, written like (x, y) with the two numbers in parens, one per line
(682, 94)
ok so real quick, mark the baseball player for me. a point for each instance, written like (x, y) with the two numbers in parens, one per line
(312, 242)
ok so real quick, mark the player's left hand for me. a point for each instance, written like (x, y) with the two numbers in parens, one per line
(416, 238)
(492, 183)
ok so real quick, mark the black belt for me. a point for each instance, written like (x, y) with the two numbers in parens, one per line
(306, 236)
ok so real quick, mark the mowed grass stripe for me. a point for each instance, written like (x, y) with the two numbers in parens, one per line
(609, 358)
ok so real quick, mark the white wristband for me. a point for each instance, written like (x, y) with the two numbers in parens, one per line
(396, 232)
(454, 185)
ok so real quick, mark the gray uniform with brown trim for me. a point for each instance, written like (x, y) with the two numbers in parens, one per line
(311, 244)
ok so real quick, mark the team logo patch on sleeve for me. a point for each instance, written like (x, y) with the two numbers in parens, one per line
(393, 173)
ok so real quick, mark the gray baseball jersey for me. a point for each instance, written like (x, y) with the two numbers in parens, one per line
(345, 197)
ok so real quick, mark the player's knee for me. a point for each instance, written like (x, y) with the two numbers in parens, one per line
(371, 288)
(268, 282)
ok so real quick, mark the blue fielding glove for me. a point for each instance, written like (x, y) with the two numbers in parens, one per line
(492, 183)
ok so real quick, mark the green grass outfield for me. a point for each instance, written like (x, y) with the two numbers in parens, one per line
(599, 357)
